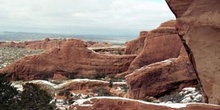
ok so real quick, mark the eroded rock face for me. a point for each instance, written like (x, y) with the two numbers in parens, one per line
(72, 60)
(136, 46)
(162, 66)
(160, 78)
(115, 103)
(198, 23)
(160, 44)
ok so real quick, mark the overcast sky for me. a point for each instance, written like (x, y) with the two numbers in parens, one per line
(109, 17)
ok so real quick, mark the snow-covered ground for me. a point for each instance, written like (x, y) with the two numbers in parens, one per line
(180, 99)
(186, 95)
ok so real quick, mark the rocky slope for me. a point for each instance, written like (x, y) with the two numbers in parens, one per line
(198, 23)
(72, 60)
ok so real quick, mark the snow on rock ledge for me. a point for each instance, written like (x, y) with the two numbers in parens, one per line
(117, 103)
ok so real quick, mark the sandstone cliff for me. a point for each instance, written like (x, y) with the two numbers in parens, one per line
(198, 23)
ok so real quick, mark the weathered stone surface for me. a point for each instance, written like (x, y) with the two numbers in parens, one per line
(136, 46)
(160, 78)
(198, 23)
(116, 103)
(162, 66)
(73, 59)
(160, 44)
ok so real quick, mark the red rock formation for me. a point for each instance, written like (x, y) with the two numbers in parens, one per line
(98, 44)
(160, 44)
(117, 103)
(160, 78)
(150, 74)
(198, 23)
(73, 59)
(136, 46)
(48, 44)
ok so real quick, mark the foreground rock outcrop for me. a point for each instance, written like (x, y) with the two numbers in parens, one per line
(160, 78)
(198, 23)
(116, 103)
(72, 60)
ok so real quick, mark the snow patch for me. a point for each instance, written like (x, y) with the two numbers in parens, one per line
(42, 82)
(18, 86)
(176, 105)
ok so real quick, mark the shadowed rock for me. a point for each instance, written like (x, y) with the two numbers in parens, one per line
(198, 23)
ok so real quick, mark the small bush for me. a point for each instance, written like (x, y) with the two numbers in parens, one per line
(101, 92)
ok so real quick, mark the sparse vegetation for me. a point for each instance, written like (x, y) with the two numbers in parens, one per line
(101, 92)
(125, 88)
(10, 54)
(99, 76)
(32, 98)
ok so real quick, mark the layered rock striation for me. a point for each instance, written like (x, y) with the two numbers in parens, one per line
(162, 66)
(199, 25)
(160, 44)
(72, 60)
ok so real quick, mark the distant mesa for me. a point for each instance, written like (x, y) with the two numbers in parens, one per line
(48, 43)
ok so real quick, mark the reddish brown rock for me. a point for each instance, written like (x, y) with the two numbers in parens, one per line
(198, 23)
(161, 78)
(136, 46)
(162, 66)
(73, 59)
(98, 44)
(160, 44)
(48, 44)
(38, 44)
(116, 103)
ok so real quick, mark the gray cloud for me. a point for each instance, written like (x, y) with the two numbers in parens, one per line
(83, 16)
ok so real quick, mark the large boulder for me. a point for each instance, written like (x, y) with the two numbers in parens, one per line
(198, 23)
(161, 78)
(72, 60)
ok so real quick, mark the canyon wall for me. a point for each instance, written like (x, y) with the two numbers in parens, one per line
(199, 25)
